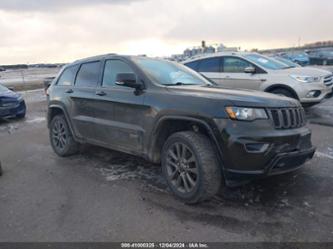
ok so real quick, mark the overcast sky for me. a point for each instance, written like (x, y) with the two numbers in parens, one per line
(34, 31)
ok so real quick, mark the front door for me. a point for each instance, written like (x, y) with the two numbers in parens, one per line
(124, 129)
(233, 74)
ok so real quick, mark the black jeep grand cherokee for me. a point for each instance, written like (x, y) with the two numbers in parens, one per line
(202, 135)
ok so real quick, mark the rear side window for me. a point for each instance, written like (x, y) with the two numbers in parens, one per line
(112, 68)
(68, 76)
(193, 65)
(211, 65)
(88, 74)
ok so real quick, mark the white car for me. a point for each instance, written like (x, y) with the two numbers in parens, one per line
(254, 71)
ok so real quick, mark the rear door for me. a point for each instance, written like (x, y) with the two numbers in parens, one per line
(121, 112)
(234, 76)
(84, 100)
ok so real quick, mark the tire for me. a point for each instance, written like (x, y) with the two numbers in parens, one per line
(200, 165)
(61, 137)
(283, 92)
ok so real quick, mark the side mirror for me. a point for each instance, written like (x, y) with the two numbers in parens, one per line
(128, 80)
(251, 70)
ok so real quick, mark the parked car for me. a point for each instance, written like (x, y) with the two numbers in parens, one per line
(298, 57)
(254, 71)
(166, 113)
(288, 62)
(11, 104)
(321, 57)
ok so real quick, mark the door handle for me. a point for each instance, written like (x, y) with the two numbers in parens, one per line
(69, 91)
(100, 93)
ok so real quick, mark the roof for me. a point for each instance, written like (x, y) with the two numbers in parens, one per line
(203, 56)
(92, 58)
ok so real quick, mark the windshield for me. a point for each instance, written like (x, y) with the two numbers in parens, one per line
(266, 62)
(3, 88)
(170, 73)
(289, 63)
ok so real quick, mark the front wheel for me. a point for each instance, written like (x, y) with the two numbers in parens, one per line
(190, 167)
(61, 137)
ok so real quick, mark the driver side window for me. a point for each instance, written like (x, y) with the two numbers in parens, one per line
(235, 65)
(112, 68)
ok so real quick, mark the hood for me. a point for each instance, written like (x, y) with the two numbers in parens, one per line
(9, 94)
(237, 97)
(305, 71)
(9, 97)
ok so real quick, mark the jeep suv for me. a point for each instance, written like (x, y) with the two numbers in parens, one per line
(254, 71)
(202, 134)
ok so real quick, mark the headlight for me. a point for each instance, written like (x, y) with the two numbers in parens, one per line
(305, 79)
(246, 114)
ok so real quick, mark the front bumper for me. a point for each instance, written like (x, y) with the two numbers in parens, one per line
(325, 93)
(255, 149)
(13, 111)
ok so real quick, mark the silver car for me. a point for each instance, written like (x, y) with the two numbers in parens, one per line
(255, 71)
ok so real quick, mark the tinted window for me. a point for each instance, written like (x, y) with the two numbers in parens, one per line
(193, 65)
(112, 68)
(88, 74)
(235, 65)
(68, 76)
(211, 65)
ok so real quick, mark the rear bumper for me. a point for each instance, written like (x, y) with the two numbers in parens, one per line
(11, 112)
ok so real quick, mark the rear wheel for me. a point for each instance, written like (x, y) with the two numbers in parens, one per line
(190, 167)
(283, 92)
(61, 137)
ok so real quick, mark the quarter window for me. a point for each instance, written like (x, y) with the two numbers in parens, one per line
(112, 68)
(67, 77)
(211, 65)
(235, 65)
(193, 65)
(88, 74)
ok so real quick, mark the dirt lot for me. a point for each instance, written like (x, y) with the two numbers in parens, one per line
(26, 79)
(101, 195)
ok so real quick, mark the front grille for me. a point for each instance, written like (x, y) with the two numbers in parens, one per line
(328, 80)
(287, 118)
